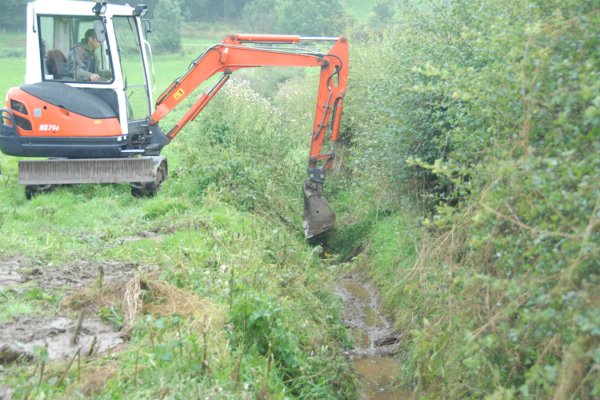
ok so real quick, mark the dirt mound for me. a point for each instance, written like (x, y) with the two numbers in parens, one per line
(19, 274)
(23, 334)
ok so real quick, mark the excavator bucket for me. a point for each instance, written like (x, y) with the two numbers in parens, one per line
(318, 216)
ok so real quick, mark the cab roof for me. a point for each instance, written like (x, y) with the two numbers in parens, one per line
(77, 8)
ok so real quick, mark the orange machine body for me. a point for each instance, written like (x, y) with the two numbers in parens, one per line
(55, 121)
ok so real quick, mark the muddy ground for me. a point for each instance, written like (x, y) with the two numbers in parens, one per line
(20, 274)
(373, 358)
(20, 336)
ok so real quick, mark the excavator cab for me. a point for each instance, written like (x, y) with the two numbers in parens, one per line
(87, 99)
(87, 86)
(87, 96)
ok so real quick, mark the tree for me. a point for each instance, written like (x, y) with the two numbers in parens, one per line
(383, 12)
(312, 17)
(261, 15)
(167, 26)
(384, 9)
(13, 14)
(223, 9)
(192, 10)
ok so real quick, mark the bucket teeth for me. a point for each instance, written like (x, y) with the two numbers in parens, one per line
(318, 216)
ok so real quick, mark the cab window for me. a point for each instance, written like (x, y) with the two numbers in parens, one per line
(71, 52)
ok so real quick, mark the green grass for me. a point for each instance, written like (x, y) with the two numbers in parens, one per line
(30, 302)
(12, 306)
(244, 213)
(12, 75)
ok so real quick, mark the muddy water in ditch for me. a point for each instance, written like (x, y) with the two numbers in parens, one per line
(374, 338)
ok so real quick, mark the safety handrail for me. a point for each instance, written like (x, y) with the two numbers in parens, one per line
(151, 63)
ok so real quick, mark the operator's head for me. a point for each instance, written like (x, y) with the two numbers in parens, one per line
(90, 39)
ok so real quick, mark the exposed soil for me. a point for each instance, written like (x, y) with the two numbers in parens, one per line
(6, 392)
(19, 338)
(19, 274)
(375, 340)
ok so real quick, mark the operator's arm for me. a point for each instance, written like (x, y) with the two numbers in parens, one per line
(102, 73)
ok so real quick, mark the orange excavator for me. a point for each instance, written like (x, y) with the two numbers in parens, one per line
(87, 99)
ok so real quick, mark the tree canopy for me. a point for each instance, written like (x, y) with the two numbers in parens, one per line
(13, 12)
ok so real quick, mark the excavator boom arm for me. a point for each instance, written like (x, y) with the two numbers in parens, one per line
(231, 54)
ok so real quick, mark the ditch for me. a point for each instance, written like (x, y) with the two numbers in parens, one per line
(373, 359)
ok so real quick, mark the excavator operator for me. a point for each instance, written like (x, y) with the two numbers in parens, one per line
(83, 61)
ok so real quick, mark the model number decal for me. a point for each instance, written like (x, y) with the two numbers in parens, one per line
(49, 127)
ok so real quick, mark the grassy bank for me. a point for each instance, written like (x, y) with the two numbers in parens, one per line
(224, 233)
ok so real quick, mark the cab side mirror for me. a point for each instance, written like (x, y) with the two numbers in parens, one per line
(99, 30)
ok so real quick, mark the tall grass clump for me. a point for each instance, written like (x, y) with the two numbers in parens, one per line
(489, 113)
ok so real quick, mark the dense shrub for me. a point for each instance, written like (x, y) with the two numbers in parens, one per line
(502, 299)
(167, 26)
(390, 121)
(309, 17)
(261, 15)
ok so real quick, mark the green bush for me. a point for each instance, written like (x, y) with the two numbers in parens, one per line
(384, 9)
(312, 18)
(308, 18)
(387, 120)
(261, 15)
(383, 12)
(12, 53)
(166, 26)
(245, 149)
(13, 14)
(499, 100)
(265, 81)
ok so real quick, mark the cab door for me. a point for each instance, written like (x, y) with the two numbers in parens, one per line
(132, 57)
